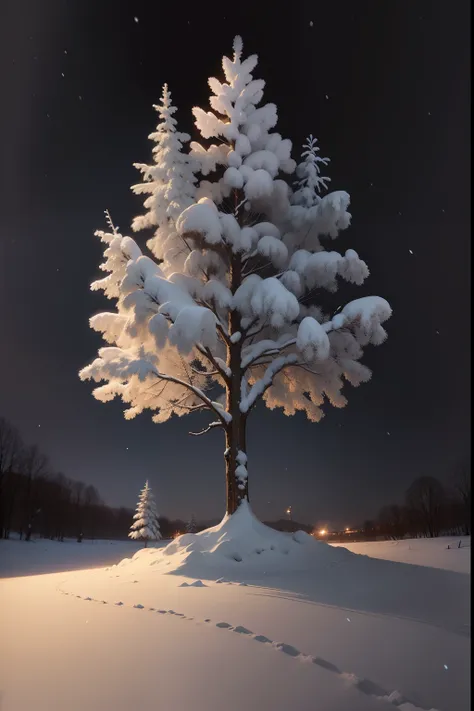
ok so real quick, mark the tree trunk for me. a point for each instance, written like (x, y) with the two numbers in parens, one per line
(235, 432)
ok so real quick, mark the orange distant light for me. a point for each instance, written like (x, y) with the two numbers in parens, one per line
(322, 532)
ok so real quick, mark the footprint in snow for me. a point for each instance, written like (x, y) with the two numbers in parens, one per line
(224, 625)
(326, 665)
(118, 603)
(242, 630)
(287, 649)
(139, 607)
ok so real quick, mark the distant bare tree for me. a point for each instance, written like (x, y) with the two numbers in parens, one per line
(11, 450)
(462, 487)
(34, 464)
(426, 497)
(369, 529)
(393, 521)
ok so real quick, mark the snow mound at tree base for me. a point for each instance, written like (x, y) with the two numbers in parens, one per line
(239, 545)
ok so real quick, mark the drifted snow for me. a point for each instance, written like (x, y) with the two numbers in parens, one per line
(241, 539)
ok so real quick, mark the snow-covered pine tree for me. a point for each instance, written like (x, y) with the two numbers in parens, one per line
(169, 184)
(191, 526)
(145, 526)
(240, 321)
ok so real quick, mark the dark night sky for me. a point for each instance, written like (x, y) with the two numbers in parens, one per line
(396, 126)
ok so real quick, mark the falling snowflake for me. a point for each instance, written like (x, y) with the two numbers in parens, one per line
(311, 23)
(62, 74)
(411, 251)
(136, 19)
(327, 97)
(388, 434)
(65, 51)
(80, 97)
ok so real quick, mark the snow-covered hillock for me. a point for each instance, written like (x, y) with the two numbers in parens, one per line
(241, 545)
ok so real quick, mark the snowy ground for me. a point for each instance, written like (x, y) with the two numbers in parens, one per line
(341, 633)
(431, 552)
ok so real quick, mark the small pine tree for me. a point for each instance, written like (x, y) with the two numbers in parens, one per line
(191, 526)
(145, 526)
(310, 179)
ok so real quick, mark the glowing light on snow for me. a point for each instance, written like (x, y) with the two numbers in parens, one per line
(322, 532)
(347, 530)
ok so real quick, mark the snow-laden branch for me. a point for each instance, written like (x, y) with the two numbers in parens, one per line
(210, 427)
(261, 386)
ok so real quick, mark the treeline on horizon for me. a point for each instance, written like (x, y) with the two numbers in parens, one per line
(34, 499)
(430, 509)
